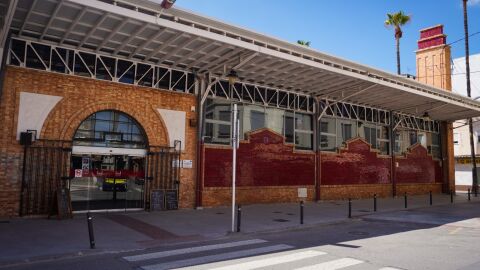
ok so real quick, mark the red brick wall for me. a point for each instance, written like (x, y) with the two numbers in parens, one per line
(355, 164)
(263, 160)
(417, 166)
(80, 98)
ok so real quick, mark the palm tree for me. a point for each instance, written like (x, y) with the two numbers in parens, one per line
(470, 124)
(304, 43)
(397, 20)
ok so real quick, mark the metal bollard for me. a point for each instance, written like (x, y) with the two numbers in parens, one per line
(431, 198)
(90, 230)
(301, 212)
(405, 199)
(468, 192)
(374, 202)
(239, 217)
(349, 208)
(451, 196)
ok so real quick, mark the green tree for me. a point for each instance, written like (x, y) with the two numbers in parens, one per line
(396, 21)
(304, 43)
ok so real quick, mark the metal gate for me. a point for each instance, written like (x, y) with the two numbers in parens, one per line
(46, 167)
(163, 178)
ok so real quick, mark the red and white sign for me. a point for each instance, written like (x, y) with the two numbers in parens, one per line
(78, 173)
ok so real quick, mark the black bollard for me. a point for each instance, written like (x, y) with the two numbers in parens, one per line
(349, 208)
(374, 202)
(405, 199)
(301, 212)
(431, 198)
(90, 230)
(239, 217)
(468, 192)
(451, 196)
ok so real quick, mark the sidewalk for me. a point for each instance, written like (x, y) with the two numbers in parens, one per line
(24, 239)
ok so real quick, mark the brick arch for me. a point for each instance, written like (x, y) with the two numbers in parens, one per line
(148, 119)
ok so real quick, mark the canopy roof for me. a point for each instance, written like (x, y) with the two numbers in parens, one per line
(142, 31)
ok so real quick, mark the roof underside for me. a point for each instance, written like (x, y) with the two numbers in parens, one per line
(140, 30)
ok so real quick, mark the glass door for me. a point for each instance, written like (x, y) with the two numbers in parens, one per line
(103, 182)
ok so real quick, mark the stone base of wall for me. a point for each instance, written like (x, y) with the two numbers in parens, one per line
(418, 189)
(341, 192)
(250, 195)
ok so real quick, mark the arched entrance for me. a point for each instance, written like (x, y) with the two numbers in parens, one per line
(108, 163)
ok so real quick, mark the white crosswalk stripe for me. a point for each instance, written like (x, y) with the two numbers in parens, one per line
(168, 253)
(246, 255)
(214, 258)
(332, 265)
(271, 261)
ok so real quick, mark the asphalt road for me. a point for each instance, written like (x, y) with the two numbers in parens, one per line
(414, 239)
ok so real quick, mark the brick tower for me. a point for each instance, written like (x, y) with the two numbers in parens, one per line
(433, 68)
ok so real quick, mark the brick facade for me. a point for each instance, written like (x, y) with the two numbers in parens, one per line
(80, 98)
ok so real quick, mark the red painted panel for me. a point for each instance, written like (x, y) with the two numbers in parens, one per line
(423, 44)
(356, 164)
(263, 160)
(438, 30)
(418, 167)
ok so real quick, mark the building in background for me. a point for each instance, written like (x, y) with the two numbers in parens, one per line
(130, 107)
(461, 134)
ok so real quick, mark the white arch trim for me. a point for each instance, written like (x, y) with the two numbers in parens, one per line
(175, 124)
(33, 111)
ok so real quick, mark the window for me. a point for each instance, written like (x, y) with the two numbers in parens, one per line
(346, 129)
(303, 131)
(288, 127)
(217, 122)
(328, 134)
(434, 145)
(383, 140)
(110, 129)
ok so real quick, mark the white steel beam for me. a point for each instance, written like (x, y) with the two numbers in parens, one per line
(52, 17)
(192, 52)
(146, 42)
(165, 44)
(125, 42)
(113, 32)
(72, 25)
(94, 27)
(27, 18)
(6, 26)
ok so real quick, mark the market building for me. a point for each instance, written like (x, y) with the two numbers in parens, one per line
(128, 106)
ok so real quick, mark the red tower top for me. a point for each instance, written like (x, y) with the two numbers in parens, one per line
(432, 37)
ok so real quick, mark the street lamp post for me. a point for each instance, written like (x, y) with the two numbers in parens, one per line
(232, 78)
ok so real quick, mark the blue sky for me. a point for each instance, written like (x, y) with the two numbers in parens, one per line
(351, 29)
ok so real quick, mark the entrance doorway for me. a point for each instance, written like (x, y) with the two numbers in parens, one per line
(108, 163)
(103, 182)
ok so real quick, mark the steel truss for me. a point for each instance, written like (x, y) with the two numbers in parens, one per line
(378, 116)
(29, 54)
(261, 95)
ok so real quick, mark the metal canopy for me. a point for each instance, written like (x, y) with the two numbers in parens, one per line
(140, 30)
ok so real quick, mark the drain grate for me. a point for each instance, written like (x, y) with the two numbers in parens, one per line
(277, 212)
(281, 220)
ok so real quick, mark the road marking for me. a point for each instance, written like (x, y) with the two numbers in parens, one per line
(271, 261)
(168, 253)
(455, 231)
(389, 268)
(215, 258)
(332, 265)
